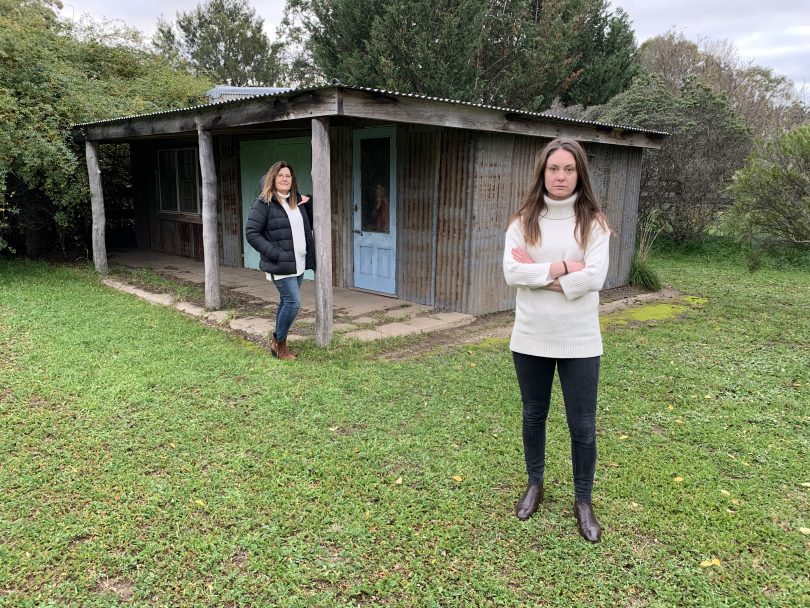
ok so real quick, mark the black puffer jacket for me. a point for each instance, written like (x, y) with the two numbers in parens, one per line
(269, 232)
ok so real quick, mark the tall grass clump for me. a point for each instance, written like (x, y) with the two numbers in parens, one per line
(642, 273)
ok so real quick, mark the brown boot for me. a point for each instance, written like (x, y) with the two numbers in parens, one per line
(587, 523)
(274, 346)
(528, 503)
(284, 353)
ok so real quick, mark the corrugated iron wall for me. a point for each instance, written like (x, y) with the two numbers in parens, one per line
(342, 205)
(453, 218)
(418, 179)
(615, 177)
(502, 173)
(229, 203)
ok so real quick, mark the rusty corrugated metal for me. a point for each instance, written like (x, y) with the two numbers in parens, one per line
(418, 184)
(503, 171)
(229, 208)
(609, 178)
(453, 217)
(342, 204)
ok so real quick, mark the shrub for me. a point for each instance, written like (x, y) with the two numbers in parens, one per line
(772, 193)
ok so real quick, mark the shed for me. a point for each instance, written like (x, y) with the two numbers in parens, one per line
(449, 173)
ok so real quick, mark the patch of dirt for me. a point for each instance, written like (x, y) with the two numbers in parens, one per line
(123, 589)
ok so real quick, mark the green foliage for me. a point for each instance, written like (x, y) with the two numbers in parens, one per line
(767, 102)
(54, 74)
(685, 181)
(772, 193)
(150, 460)
(223, 40)
(643, 275)
(520, 53)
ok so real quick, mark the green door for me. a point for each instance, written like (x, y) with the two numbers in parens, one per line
(255, 158)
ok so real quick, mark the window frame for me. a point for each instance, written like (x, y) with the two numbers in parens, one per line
(161, 167)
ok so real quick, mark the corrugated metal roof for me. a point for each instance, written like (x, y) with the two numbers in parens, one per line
(289, 92)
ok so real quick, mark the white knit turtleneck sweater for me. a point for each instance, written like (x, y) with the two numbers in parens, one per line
(549, 323)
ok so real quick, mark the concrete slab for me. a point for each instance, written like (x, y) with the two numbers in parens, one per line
(190, 309)
(257, 326)
(392, 330)
(407, 312)
(427, 324)
(363, 320)
(364, 335)
(353, 308)
(454, 319)
(219, 316)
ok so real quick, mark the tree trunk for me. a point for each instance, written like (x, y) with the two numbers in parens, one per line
(97, 202)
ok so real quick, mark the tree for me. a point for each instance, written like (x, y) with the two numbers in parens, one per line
(766, 101)
(54, 74)
(772, 192)
(223, 40)
(684, 183)
(519, 53)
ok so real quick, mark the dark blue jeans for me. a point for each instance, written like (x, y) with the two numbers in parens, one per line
(289, 290)
(579, 379)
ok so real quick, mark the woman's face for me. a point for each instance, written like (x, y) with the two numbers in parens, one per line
(561, 174)
(283, 180)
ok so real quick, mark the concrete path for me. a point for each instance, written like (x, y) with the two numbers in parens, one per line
(358, 315)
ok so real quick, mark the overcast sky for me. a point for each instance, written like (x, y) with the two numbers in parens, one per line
(773, 33)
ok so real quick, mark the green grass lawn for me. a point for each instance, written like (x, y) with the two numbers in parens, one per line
(148, 460)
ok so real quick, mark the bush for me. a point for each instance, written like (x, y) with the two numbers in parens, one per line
(772, 194)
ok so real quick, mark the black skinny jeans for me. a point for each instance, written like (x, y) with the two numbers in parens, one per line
(578, 379)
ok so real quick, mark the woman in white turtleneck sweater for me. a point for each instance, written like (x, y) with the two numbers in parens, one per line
(556, 255)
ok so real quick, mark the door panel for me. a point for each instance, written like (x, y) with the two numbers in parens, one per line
(375, 209)
(255, 158)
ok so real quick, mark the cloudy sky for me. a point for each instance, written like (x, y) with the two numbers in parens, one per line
(775, 33)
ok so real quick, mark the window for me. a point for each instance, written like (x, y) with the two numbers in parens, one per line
(179, 179)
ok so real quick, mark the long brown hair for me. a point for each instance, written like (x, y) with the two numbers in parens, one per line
(586, 206)
(269, 183)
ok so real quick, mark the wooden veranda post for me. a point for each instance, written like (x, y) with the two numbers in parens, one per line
(322, 218)
(97, 204)
(213, 300)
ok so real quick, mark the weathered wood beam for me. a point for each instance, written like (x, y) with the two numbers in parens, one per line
(213, 300)
(404, 109)
(322, 218)
(97, 204)
(256, 111)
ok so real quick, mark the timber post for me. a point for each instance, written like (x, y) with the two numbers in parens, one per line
(322, 218)
(97, 205)
(213, 299)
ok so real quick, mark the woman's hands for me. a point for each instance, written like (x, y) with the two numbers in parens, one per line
(556, 270)
(521, 256)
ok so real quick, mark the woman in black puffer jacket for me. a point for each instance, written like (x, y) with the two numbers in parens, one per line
(282, 234)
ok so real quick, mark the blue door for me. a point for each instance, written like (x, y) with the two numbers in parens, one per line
(375, 209)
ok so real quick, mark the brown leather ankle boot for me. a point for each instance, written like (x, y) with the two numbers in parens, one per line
(587, 523)
(528, 503)
(274, 346)
(284, 353)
